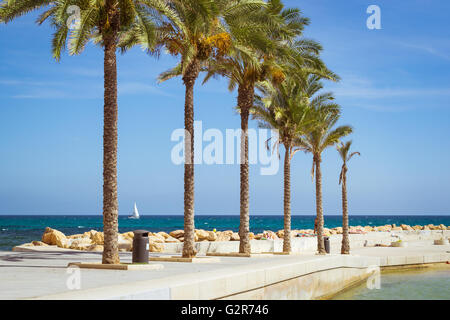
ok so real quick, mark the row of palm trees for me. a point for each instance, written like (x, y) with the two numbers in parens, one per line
(258, 45)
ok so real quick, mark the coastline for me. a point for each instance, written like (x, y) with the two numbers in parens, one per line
(300, 276)
(173, 241)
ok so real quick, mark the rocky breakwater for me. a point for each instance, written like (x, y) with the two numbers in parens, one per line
(93, 240)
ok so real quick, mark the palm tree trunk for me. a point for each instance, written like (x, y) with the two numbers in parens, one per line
(345, 249)
(245, 101)
(287, 200)
(319, 209)
(189, 79)
(110, 201)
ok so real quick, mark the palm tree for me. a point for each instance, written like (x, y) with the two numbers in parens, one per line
(344, 149)
(101, 21)
(258, 51)
(200, 30)
(285, 108)
(325, 114)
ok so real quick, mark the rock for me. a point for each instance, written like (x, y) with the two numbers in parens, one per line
(75, 236)
(442, 227)
(368, 229)
(54, 237)
(98, 238)
(223, 236)
(406, 227)
(80, 244)
(235, 236)
(269, 235)
(177, 234)
(164, 235)
(156, 239)
(156, 247)
(95, 247)
(251, 235)
(280, 234)
(338, 230)
(128, 235)
(201, 234)
(125, 243)
(426, 228)
(90, 234)
(171, 240)
(212, 236)
(258, 236)
(417, 227)
(39, 244)
(397, 229)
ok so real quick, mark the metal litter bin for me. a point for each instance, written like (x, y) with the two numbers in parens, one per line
(140, 246)
(326, 241)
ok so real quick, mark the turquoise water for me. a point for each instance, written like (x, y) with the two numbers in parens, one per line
(409, 285)
(20, 229)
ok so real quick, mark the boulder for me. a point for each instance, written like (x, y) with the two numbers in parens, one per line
(223, 236)
(128, 235)
(417, 227)
(171, 240)
(338, 230)
(98, 238)
(258, 236)
(80, 244)
(156, 239)
(269, 235)
(368, 228)
(406, 227)
(280, 234)
(442, 227)
(212, 236)
(75, 236)
(90, 234)
(54, 237)
(235, 236)
(125, 243)
(201, 234)
(397, 229)
(164, 235)
(177, 234)
(251, 235)
(39, 244)
(156, 247)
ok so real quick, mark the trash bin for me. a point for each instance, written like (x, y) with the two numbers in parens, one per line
(326, 241)
(140, 246)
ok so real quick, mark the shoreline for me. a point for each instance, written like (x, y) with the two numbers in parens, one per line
(158, 241)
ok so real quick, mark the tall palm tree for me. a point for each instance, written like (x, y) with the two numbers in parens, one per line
(325, 114)
(285, 108)
(101, 21)
(344, 149)
(257, 53)
(200, 31)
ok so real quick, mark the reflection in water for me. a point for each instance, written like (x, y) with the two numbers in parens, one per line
(406, 285)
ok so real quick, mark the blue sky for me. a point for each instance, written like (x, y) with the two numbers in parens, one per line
(395, 91)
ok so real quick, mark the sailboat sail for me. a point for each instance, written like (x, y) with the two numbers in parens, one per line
(135, 213)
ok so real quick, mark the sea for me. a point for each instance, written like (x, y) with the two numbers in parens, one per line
(19, 229)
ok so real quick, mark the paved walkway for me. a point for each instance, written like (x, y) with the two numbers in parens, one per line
(39, 274)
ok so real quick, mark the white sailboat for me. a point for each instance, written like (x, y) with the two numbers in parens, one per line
(135, 213)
